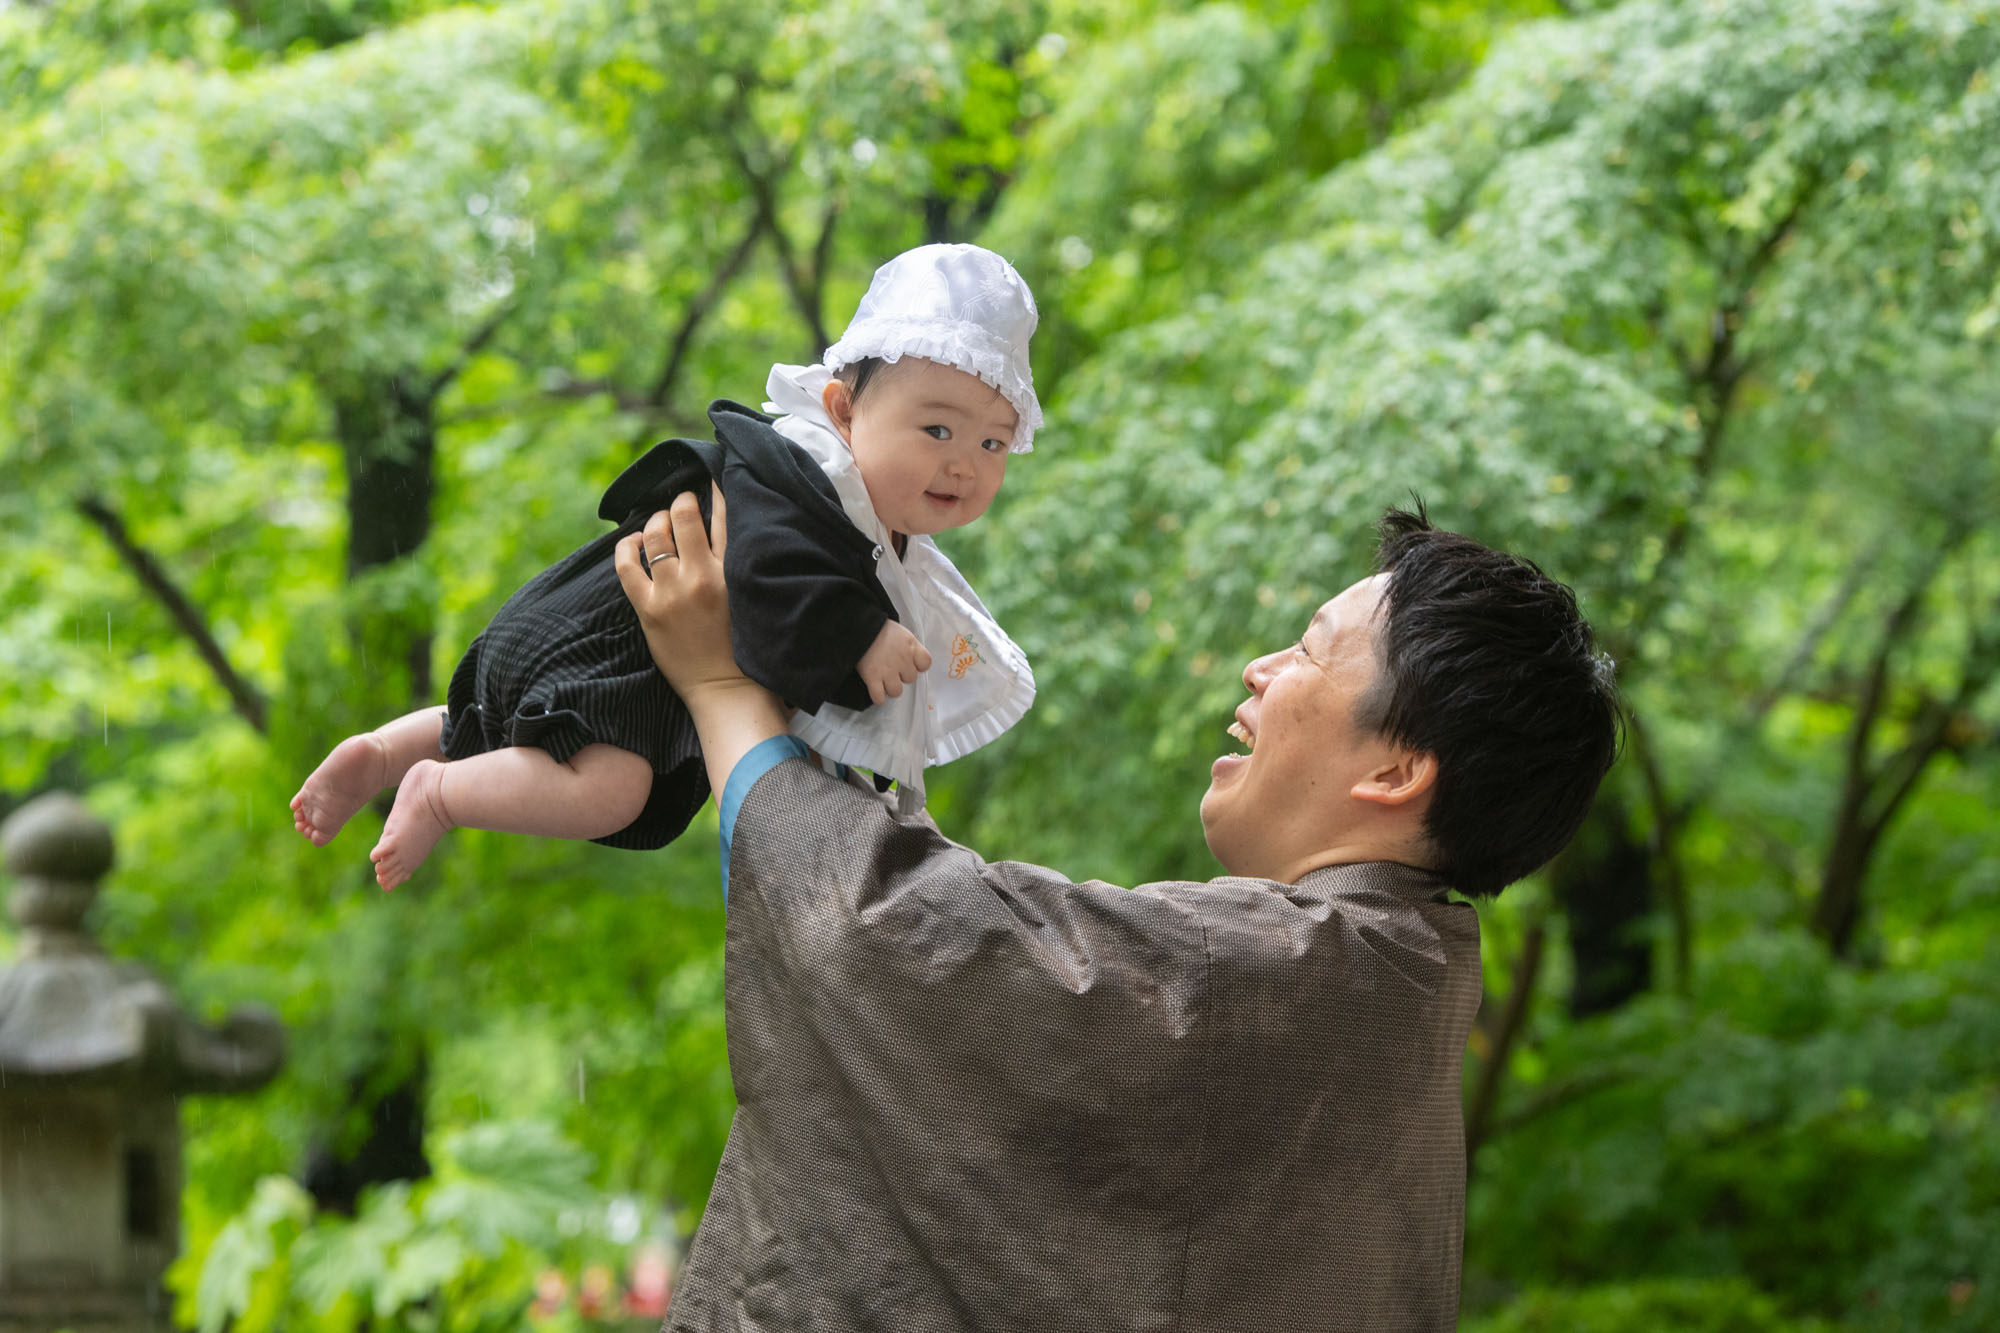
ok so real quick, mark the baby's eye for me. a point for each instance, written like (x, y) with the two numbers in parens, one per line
(995, 446)
(938, 432)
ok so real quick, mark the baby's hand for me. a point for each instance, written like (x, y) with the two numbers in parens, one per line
(895, 659)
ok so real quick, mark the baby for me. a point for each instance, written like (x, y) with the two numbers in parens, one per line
(556, 721)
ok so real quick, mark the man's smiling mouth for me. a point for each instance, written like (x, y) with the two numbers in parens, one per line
(1243, 734)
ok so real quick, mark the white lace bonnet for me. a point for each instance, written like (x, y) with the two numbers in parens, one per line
(960, 306)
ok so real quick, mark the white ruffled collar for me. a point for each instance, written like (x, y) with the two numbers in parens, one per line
(796, 400)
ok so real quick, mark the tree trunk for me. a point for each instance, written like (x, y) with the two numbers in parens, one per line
(937, 219)
(392, 1149)
(1873, 789)
(388, 442)
(1604, 885)
(1499, 1041)
(1837, 911)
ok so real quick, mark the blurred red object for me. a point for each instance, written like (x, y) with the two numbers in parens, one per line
(652, 1276)
(551, 1291)
(593, 1297)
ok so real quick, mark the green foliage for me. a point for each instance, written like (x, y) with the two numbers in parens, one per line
(1829, 1135)
(1173, 157)
(247, 253)
(1724, 1306)
(449, 1254)
(245, 1250)
(1577, 337)
(1698, 305)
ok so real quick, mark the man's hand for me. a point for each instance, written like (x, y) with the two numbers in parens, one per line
(673, 577)
(896, 658)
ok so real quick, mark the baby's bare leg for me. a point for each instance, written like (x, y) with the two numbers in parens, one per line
(518, 790)
(359, 767)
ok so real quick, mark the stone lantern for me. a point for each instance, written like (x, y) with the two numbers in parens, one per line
(94, 1057)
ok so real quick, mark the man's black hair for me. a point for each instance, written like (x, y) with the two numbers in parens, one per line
(1488, 665)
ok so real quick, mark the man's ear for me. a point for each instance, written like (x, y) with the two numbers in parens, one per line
(1402, 778)
(838, 400)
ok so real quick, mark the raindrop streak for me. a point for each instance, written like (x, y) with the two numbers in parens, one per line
(579, 1078)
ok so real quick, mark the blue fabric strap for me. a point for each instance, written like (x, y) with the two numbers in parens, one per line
(764, 756)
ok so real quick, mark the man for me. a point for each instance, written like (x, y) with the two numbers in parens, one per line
(977, 1095)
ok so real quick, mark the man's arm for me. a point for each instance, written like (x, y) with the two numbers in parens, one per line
(683, 605)
(673, 577)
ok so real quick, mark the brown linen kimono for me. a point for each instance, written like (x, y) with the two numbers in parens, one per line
(982, 1096)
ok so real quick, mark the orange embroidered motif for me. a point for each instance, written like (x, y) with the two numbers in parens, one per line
(964, 655)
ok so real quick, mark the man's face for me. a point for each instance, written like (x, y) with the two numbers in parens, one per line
(931, 444)
(1292, 790)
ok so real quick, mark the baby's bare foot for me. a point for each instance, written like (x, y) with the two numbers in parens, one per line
(345, 781)
(415, 824)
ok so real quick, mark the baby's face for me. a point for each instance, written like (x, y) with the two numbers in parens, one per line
(931, 443)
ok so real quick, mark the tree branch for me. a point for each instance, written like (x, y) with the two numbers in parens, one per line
(1668, 816)
(764, 194)
(245, 697)
(699, 307)
(1809, 642)
(1714, 383)
(1899, 773)
(1656, 323)
(568, 386)
(823, 252)
(480, 337)
(1587, 1084)
(1837, 908)
(1486, 1092)
(1875, 686)
(1760, 257)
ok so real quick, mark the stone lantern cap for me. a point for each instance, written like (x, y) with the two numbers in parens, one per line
(70, 1014)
